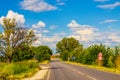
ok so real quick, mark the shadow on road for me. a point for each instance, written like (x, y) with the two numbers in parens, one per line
(54, 61)
(55, 68)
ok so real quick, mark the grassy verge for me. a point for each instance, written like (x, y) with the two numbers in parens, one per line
(101, 68)
(18, 70)
(44, 62)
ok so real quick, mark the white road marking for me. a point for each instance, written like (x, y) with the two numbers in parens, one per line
(81, 73)
(91, 77)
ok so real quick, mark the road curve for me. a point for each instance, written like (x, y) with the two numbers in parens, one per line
(63, 71)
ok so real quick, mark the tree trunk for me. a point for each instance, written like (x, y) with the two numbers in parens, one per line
(8, 60)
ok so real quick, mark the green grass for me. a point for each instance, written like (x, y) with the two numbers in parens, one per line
(18, 70)
(101, 68)
(44, 62)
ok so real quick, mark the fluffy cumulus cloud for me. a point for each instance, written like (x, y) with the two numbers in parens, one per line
(43, 39)
(45, 36)
(90, 35)
(101, 0)
(37, 5)
(109, 6)
(80, 29)
(86, 34)
(109, 21)
(81, 32)
(53, 40)
(114, 37)
(18, 17)
(40, 24)
(73, 24)
(38, 30)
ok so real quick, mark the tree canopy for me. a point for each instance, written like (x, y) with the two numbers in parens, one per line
(42, 53)
(65, 46)
(14, 37)
(70, 49)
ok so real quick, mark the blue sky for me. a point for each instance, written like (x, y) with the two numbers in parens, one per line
(89, 21)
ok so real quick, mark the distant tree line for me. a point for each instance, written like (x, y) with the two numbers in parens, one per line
(71, 50)
(15, 44)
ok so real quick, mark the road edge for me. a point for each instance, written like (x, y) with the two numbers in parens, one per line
(40, 75)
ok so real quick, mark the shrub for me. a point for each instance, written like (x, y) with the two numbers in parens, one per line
(7, 70)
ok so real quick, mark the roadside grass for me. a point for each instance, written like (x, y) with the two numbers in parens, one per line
(18, 70)
(44, 62)
(101, 68)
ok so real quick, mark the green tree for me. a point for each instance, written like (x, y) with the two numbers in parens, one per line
(24, 53)
(93, 53)
(42, 53)
(15, 36)
(109, 58)
(65, 46)
(77, 54)
(117, 56)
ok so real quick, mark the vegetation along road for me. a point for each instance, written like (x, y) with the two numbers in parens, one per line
(64, 71)
(20, 59)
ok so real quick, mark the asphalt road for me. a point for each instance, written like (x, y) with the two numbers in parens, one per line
(63, 71)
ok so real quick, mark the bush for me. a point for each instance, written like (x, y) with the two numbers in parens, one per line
(20, 68)
(17, 68)
(8, 69)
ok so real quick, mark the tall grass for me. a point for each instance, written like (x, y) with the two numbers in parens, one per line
(18, 69)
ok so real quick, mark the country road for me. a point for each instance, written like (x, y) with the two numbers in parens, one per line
(63, 71)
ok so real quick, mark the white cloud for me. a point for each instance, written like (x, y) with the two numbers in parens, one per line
(114, 37)
(60, 2)
(37, 5)
(39, 37)
(37, 43)
(73, 24)
(52, 27)
(88, 35)
(81, 32)
(1, 20)
(109, 21)
(53, 40)
(46, 31)
(40, 24)
(80, 29)
(109, 6)
(101, 0)
(85, 31)
(19, 18)
(38, 29)
(61, 34)
(43, 39)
